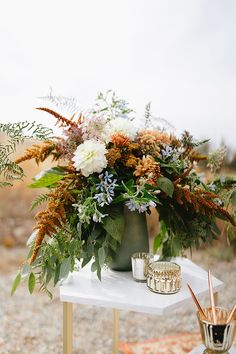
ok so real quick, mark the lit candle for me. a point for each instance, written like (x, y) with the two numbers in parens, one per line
(140, 262)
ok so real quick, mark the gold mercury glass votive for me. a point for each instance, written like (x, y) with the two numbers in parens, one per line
(217, 338)
(140, 261)
(164, 277)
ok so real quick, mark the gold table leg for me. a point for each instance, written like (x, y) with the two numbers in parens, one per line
(115, 330)
(67, 327)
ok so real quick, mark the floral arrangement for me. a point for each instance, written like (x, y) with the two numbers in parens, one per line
(106, 159)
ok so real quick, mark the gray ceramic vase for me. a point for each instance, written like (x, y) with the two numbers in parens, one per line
(135, 239)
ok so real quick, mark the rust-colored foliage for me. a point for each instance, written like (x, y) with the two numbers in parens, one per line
(53, 217)
(202, 201)
(39, 152)
(64, 122)
(183, 175)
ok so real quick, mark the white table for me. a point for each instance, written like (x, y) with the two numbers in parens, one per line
(119, 291)
(200, 350)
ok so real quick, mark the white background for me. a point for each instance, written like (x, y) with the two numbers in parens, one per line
(179, 54)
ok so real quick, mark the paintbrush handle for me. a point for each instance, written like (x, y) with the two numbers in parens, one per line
(196, 301)
(231, 314)
(212, 299)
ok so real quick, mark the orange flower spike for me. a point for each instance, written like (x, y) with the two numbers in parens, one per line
(37, 152)
(64, 122)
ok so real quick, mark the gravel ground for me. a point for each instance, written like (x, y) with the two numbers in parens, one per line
(33, 324)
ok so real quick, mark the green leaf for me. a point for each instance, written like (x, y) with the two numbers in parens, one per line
(159, 239)
(99, 272)
(114, 227)
(56, 275)
(46, 181)
(73, 247)
(157, 242)
(95, 233)
(118, 199)
(16, 283)
(85, 261)
(129, 186)
(56, 170)
(112, 242)
(49, 275)
(101, 256)
(31, 282)
(65, 268)
(166, 185)
(94, 266)
(29, 255)
(25, 270)
(31, 239)
(233, 198)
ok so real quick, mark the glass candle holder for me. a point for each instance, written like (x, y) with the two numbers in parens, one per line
(140, 261)
(164, 277)
(217, 338)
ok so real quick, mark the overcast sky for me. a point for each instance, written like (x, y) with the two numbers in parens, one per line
(179, 54)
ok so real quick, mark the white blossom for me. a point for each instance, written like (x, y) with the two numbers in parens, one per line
(89, 157)
(121, 125)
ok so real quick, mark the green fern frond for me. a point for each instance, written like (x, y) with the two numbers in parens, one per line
(5, 184)
(69, 104)
(20, 131)
(11, 170)
(17, 133)
(39, 200)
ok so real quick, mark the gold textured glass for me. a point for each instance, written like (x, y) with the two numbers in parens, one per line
(164, 277)
(217, 338)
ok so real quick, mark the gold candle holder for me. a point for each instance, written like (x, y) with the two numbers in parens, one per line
(217, 338)
(164, 277)
(140, 262)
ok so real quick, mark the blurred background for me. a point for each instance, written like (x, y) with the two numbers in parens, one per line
(180, 55)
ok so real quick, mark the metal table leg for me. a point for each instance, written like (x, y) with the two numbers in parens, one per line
(115, 336)
(67, 327)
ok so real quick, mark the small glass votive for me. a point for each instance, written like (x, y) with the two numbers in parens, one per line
(164, 277)
(217, 338)
(140, 261)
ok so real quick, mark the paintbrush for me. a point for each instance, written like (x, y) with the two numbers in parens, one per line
(231, 314)
(196, 301)
(213, 308)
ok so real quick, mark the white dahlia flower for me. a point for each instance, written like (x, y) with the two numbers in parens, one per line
(89, 157)
(121, 125)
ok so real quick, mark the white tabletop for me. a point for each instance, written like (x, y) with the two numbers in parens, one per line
(118, 289)
(200, 350)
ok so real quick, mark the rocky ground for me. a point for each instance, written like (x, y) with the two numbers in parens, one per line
(33, 324)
